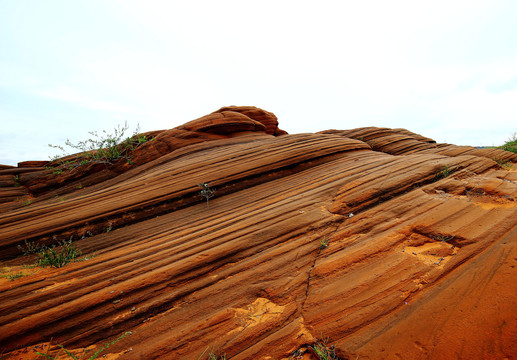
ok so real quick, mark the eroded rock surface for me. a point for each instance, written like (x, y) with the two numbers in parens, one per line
(381, 241)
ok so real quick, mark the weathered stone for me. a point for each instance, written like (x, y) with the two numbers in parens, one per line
(419, 256)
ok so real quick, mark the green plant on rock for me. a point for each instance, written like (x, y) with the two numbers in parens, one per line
(55, 358)
(105, 148)
(206, 192)
(324, 243)
(212, 356)
(511, 144)
(94, 356)
(13, 276)
(442, 174)
(323, 351)
(57, 258)
(507, 165)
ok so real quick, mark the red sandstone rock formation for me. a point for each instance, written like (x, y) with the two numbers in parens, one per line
(406, 251)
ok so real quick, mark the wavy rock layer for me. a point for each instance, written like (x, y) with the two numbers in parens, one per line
(405, 252)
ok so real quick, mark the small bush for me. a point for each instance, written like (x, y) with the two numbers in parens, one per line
(442, 174)
(58, 258)
(101, 149)
(29, 248)
(507, 165)
(323, 351)
(206, 192)
(511, 144)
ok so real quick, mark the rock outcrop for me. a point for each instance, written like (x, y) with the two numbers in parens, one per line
(379, 241)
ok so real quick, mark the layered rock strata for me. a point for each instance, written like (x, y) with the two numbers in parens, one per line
(382, 242)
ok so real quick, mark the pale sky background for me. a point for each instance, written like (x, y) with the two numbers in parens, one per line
(444, 69)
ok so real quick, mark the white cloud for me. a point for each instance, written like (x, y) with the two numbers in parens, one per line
(436, 67)
(68, 94)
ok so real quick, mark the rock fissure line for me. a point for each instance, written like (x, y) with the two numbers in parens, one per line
(320, 249)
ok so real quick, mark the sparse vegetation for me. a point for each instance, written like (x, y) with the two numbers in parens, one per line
(105, 148)
(13, 273)
(88, 257)
(58, 257)
(507, 165)
(31, 247)
(442, 237)
(206, 192)
(212, 355)
(13, 276)
(323, 351)
(94, 356)
(511, 144)
(324, 243)
(442, 174)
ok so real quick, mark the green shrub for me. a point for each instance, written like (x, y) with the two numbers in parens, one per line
(511, 144)
(442, 174)
(323, 351)
(105, 148)
(58, 257)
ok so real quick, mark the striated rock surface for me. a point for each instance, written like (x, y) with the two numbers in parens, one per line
(379, 241)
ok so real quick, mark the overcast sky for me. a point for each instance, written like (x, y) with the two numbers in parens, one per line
(444, 69)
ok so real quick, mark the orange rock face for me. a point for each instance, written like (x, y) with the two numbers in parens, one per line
(377, 242)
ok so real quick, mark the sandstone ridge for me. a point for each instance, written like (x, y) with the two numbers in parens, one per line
(380, 241)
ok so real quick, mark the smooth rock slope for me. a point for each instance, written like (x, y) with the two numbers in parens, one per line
(380, 241)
